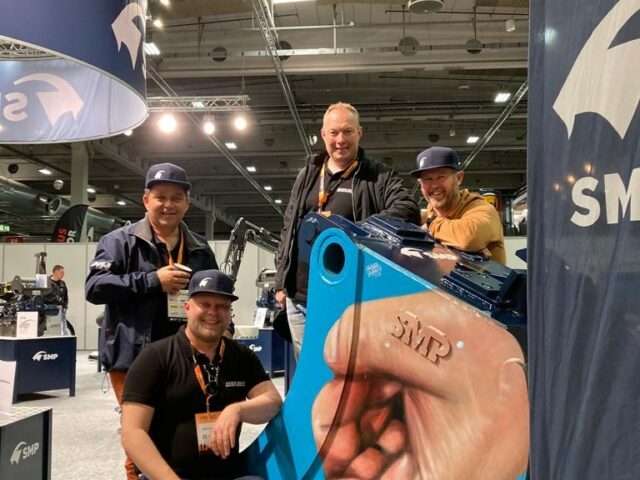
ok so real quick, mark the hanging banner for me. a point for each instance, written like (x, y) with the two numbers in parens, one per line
(71, 70)
(68, 229)
(584, 239)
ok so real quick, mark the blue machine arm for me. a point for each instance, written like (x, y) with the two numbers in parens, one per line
(404, 371)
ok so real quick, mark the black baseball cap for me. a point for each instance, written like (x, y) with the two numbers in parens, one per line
(212, 281)
(167, 173)
(436, 157)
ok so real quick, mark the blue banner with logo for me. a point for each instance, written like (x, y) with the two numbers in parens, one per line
(584, 239)
(88, 80)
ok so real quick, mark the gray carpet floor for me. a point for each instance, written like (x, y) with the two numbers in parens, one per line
(86, 442)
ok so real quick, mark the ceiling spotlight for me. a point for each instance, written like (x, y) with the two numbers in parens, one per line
(151, 48)
(268, 188)
(166, 3)
(313, 139)
(472, 139)
(240, 123)
(502, 97)
(510, 25)
(128, 133)
(45, 171)
(231, 145)
(122, 203)
(251, 169)
(279, 2)
(167, 123)
(91, 190)
(278, 201)
(197, 104)
(208, 127)
(158, 23)
(425, 6)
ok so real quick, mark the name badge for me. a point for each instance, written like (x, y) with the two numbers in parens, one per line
(204, 426)
(175, 305)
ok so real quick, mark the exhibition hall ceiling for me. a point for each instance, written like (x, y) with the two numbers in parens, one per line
(418, 80)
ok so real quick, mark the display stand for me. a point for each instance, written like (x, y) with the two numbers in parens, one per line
(43, 363)
(25, 444)
(269, 348)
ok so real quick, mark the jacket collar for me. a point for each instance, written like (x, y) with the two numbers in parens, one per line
(142, 229)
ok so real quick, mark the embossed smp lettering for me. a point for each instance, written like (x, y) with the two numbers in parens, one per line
(427, 340)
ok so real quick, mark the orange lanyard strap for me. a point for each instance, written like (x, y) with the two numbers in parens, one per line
(180, 250)
(203, 368)
(323, 196)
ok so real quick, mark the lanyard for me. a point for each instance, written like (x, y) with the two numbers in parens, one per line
(323, 196)
(180, 250)
(203, 368)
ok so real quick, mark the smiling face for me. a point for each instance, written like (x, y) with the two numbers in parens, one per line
(441, 188)
(166, 204)
(208, 316)
(341, 133)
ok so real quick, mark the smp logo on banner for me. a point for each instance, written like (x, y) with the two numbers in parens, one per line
(62, 99)
(126, 31)
(23, 451)
(604, 80)
(42, 355)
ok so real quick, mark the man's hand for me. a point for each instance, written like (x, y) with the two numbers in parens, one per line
(281, 298)
(223, 434)
(172, 279)
(435, 391)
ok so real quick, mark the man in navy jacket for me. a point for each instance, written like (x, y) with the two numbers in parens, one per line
(138, 270)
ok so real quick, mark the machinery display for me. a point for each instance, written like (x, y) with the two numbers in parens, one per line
(27, 295)
(411, 367)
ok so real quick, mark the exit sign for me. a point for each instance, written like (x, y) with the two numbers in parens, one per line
(4, 228)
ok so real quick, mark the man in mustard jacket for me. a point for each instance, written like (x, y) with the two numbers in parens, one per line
(456, 217)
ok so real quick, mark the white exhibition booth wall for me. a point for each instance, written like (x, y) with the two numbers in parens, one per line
(19, 259)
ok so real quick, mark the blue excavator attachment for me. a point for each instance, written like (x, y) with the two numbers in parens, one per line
(411, 367)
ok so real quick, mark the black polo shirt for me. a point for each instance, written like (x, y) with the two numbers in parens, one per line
(340, 202)
(163, 377)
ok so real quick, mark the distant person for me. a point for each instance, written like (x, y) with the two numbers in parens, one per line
(59, 295)
(134, 274)
(195, 379)
(339, 180)
(456, 217)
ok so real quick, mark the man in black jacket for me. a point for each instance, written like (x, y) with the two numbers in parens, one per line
(137, 273)
(340, 180)
(59, 295)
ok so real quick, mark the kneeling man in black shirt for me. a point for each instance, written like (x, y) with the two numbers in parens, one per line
(186, 396)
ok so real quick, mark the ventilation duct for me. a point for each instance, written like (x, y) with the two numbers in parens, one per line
(18, 200)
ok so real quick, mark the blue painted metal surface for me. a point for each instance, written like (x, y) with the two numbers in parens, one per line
(363, 280)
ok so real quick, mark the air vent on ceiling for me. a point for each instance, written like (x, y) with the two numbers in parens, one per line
(425, 6)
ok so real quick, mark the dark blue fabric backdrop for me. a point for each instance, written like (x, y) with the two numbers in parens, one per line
(584, 260)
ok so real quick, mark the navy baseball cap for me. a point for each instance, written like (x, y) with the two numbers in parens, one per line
(212, 281)
(436, 157)
(167, 172)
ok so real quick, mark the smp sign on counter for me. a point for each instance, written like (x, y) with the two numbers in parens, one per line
(23, 451)
(44, 356)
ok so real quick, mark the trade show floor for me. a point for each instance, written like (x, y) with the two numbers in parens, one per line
(86, 442)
